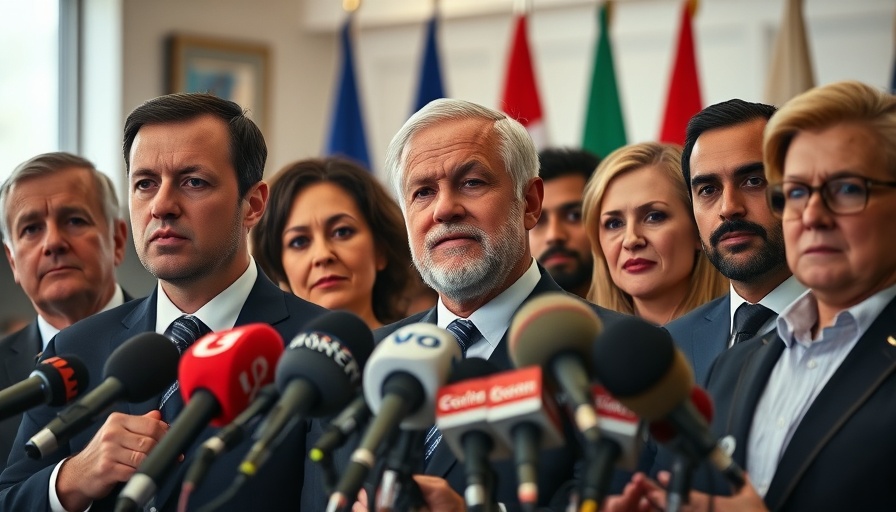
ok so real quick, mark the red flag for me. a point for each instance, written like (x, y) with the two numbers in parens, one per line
(684, 89)
(520, 99)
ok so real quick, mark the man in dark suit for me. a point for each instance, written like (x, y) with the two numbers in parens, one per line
(195, 165)
(64, 235)
(722, 167)
(810, 408)
(467, 180)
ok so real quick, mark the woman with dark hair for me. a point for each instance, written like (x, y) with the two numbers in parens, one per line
(333, 235)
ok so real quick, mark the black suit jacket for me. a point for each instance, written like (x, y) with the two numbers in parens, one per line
(556, 466)
(841, 455)
(19, 353)
(24, 483)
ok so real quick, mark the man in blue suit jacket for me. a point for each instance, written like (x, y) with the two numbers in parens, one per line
(195, 165)
(466, 178)
(722, 167)
(64, 235)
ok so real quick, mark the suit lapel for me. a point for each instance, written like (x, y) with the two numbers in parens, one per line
(868, 364)
(711, 338)
(751, 383)
(141, 319)
(19, 354)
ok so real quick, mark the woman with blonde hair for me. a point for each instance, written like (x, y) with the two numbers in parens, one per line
(647, 255)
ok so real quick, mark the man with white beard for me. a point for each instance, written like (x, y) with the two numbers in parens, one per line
(466, 178)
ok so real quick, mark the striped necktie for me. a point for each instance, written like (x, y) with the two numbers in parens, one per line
(465, 333)
(183, 332)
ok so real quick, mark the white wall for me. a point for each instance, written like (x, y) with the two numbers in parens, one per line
(734, 39)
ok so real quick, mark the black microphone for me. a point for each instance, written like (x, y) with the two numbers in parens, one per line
(139, 369)
(56, 381)
(346, 423)
(229, 436)
(640, 365)
(318, 375)
(400, 382)
(462, 418)
(220, 375)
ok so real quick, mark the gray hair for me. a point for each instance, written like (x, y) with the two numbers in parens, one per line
(52, 163)
(517, 150)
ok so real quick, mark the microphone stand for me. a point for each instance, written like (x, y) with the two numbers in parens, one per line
(397, 490)
(679, 489)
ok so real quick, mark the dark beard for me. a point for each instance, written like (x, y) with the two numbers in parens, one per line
(569, 279)
(768, 258)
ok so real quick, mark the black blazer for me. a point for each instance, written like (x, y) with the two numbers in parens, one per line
(556, 466)
(19, 353)
(24, 483)
(841, 455)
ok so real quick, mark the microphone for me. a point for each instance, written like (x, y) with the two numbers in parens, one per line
(678, 490)
(640, 365)
(400, 383)
(619, 445)
(228, 437)
(139, 369)
(522, 412)
(337, 432)
(56, 381)
(462, 417)
(556, 331)
(219, 376)
(317, 376)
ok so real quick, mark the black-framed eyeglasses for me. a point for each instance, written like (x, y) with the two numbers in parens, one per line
(843, 195)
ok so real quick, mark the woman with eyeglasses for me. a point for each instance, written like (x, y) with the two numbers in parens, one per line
(812, 410)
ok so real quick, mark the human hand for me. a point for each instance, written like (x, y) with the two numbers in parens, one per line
(111, 457)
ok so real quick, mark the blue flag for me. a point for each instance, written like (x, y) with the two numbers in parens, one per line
(430, 87)
(347, 129)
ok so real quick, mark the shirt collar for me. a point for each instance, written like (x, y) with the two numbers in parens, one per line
(798, 319)
(47, 331)
(218, 314)
(493, 318)
(776, 300)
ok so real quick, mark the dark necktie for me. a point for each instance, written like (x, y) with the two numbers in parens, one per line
(183, 332)
(465, 333)
(748, 319)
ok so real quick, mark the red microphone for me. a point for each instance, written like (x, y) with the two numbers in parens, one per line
(219, 376)
(523, 413)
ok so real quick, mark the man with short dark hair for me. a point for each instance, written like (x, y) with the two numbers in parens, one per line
(195, 165)
(722, 167)
(559, 240)
(64, 237)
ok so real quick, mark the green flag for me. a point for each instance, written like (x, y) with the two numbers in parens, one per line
(604, 126)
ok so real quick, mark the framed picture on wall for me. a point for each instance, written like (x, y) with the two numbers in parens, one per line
(234, 70)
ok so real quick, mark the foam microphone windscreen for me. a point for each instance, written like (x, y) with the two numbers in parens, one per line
(639, 364)
(551, 324)
(145, 365)
(244, 359)
(664, 432)
(66, 378)
(471, 368)
(329, 353)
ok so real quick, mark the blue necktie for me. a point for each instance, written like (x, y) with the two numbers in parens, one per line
(183, 332)
(465, 333)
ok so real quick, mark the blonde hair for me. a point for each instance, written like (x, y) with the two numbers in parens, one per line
(825, 106)
(706, 282)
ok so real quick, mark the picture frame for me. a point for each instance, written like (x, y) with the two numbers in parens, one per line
(234, 70)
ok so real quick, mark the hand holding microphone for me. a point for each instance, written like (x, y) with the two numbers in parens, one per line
(219, 376)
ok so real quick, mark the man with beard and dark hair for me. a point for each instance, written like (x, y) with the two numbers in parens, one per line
(559, 239)
(722, 166)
